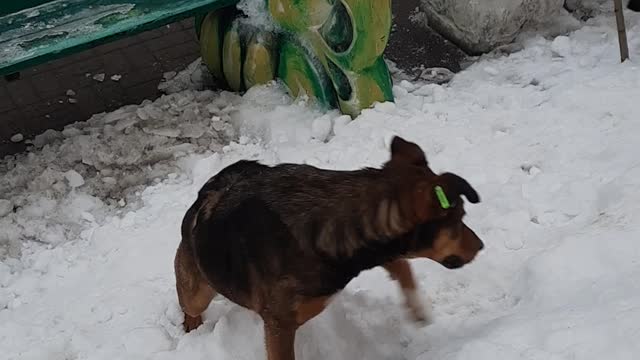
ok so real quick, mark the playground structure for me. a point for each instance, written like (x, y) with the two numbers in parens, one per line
(329, 50)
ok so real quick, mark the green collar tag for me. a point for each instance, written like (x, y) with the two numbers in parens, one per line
(442, 197)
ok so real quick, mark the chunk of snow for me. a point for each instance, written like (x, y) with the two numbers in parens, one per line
(116, 115)
(340, 122)
(321, 127)
(6, 207)
(74, 179)
(16, 138)
(169, 75)
(125, 123)
(46, 137)
(387, 107)
(436, 75)
(168, 132)
(491, 70)
(561, 46)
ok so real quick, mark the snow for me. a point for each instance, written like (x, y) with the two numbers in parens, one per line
(256, 14)
(16, 138)
(548, 136)
(99, 77)
(480, 26)
(561, 46)
(5, 207)
(588, 8)
(194, 77)
(74, 179)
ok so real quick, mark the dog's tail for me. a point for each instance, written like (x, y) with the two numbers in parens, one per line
(634, 5)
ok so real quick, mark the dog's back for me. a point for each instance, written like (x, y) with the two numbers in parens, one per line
(255, 223)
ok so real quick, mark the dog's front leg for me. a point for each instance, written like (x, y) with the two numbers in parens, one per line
(420, 310)
(280, 338)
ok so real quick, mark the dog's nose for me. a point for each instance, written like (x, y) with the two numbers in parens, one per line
(481, 245)
(453, 262)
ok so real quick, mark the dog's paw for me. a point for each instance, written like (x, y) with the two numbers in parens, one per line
(421, 311)
(191, 323)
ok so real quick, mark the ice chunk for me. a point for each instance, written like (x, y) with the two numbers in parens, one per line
(321, 127)
(561, 46)
(6, 207)
(74, 178)
(16, 138)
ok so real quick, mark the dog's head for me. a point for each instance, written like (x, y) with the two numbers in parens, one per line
(437, 206)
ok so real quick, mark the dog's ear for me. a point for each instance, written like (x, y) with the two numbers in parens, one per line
(427, 205)
(403, 151)
(458, 186)
(433, 199)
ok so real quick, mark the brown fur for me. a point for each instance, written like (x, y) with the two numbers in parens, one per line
(283, 240)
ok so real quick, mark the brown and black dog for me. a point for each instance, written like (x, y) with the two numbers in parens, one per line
(283, 240)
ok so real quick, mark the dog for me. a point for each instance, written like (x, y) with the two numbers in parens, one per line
(283, 240)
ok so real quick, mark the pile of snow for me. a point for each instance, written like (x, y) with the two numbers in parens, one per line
(194, 77)
(480, 26)
(589, 8)
(548, 136)
(76, 176)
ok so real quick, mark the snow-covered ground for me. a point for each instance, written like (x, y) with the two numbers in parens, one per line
(549, 136)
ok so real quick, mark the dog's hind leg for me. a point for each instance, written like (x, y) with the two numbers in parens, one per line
(194, 293)
(400, 270)
(280, 338)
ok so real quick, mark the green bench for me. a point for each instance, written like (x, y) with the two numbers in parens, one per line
(330, 50)
(33, 32)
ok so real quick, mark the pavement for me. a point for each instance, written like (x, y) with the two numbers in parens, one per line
(413, 46)
(132, 69)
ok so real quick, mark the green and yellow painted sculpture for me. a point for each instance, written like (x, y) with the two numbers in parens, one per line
(330, 50)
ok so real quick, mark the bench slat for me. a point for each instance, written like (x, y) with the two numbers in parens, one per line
(58, 28)
(13, 6)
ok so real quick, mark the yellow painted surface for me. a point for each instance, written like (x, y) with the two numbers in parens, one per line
(232, 59)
